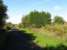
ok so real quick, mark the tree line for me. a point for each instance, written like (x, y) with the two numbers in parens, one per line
(39, 19)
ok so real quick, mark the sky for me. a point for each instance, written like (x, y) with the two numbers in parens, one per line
(18, 8)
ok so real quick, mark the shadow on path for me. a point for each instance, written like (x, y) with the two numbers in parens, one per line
(20, 40)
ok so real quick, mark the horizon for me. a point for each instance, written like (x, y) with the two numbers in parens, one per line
(18, 8)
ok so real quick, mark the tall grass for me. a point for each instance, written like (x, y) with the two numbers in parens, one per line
(50, 35)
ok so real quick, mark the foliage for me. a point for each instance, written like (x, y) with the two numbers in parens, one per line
(8, 26)
(37, 19)
(25, 21)
(58, 20)
(3, 15)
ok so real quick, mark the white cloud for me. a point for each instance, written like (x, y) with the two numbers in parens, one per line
(57, 8)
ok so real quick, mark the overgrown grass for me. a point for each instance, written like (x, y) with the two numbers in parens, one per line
(46, 38)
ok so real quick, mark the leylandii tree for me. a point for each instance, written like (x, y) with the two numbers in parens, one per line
(37, 19)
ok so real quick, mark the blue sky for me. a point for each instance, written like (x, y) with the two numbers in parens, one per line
(18, 8)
